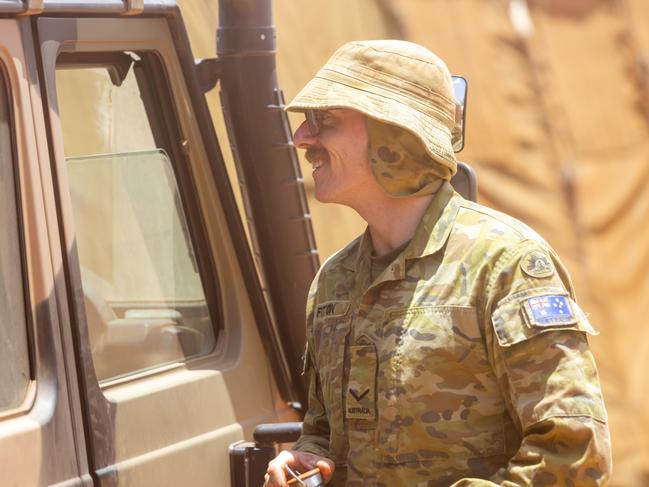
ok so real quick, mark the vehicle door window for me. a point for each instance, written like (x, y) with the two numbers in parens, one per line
(144, 298)
(15, 370)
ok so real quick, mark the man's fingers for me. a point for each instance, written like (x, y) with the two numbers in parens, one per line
(326, 469)
(275, 476)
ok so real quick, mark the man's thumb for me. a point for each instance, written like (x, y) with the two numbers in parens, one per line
(326, 469)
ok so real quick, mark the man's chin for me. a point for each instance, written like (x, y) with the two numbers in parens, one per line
(321, 199)
(331, 199)
(323, 196)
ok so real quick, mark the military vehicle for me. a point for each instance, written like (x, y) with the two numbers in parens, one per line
(144, 334)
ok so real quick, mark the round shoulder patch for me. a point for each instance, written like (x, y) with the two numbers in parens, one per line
(537, 264)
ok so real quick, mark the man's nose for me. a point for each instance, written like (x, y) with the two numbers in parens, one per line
(302, 137)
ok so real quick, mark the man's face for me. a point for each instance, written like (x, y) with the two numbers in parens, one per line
(338, 154)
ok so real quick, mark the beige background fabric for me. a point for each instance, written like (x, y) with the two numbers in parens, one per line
(558, 133)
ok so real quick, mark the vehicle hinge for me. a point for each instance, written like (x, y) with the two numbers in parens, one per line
(33, 7)
(134, 7)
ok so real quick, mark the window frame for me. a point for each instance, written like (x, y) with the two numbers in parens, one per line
(7, 96)
(169, 129)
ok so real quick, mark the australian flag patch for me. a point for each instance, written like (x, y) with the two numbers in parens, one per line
(549, 310)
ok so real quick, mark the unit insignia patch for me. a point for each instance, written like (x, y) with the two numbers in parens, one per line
(537, 264)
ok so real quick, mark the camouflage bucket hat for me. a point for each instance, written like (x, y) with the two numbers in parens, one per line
(400, 163)
(395, 82)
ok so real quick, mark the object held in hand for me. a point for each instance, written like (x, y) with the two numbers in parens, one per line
(312, 478)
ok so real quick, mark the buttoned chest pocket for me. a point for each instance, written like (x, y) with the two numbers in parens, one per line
(441, 402)
(331, 327)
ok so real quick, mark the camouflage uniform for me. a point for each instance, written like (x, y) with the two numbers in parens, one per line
(466, 359)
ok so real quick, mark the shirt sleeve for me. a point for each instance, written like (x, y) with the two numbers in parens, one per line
(536, 336)
(315, 427)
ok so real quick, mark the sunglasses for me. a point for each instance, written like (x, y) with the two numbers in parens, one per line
(314, 120)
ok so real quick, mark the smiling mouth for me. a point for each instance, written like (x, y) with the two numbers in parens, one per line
(317, 157)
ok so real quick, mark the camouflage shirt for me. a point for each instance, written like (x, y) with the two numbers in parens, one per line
(464, 363)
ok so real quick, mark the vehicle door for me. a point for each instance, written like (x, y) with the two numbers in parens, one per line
(41, 431)
(171, 364)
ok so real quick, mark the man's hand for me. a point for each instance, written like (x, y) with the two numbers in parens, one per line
(297, 460)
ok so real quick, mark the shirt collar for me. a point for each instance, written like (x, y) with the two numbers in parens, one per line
(431, 233)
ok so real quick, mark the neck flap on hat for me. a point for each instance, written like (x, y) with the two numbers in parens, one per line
(400, 163)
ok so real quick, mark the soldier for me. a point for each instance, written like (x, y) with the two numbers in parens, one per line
(444, 345)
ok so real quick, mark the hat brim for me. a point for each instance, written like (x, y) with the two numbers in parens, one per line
(325, 94)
